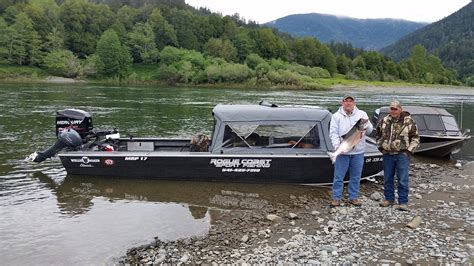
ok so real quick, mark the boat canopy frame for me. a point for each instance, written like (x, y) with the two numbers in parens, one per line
(310, 127)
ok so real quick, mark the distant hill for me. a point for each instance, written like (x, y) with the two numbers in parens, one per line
(451, 38)
(369, 34)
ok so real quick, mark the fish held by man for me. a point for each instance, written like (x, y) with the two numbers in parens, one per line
(350, 139)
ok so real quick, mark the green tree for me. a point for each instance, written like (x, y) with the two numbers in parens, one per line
(119, 28)
(84, 23)
(168, 73)
(44, 15)
(391, 69)
(185, 25)
(268, 45)
(164, 32)
(374, 62)
(11, 12)
(229, 28)
(342, 64)
(62, 63)
(253, 60)
(418, 60)
(470, 81)
(4, 34)
(23, 42)
(141, 42)
(4, 4)
(128, 16)
(115, 58)
(170, 55)
(310, 52)
(244, 45)
(221, 48)
(261, 70)
(54, 40)
(92, 66)
(360, 70)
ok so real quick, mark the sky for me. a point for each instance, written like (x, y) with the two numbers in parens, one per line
(263, 11)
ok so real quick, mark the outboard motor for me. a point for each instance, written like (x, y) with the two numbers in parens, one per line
(79, 120)
(72, 129)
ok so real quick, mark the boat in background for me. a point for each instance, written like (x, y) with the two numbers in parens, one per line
(440, 135)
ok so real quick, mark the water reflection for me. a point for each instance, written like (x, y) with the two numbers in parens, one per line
(75, 194)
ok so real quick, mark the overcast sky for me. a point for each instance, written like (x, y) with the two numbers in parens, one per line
(267, 10)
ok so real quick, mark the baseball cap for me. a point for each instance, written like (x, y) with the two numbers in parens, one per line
(396, 104)
(348, 96)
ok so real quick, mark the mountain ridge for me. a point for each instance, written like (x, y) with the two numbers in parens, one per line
(451, 38)
(369, 34)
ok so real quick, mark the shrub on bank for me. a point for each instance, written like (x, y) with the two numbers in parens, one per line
(62, 63)
(470, 81)
(9, 72)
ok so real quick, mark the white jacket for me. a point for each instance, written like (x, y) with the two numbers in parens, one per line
(341, 123)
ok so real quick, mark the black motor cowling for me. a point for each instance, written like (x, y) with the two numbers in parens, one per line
(79, 120)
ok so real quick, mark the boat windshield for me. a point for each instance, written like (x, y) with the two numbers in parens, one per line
(436, 123)
(450, 123)
(273, 135)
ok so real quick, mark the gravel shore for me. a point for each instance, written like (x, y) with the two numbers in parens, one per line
(437, 229)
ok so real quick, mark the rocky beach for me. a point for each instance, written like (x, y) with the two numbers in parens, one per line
(438, 228)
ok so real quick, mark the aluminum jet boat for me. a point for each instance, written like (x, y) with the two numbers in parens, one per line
(261, 143)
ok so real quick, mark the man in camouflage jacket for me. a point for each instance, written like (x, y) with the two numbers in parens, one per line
(397, 138)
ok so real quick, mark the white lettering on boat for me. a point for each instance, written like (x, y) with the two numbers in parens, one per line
(136, 158)
(85, 160)
(241, 165)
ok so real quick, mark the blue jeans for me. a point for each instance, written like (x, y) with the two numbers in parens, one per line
(399, 164)
(354, 163)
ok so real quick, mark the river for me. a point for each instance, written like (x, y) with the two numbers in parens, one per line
(48, 218)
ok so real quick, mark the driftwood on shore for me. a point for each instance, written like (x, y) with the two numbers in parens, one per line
(414, 223)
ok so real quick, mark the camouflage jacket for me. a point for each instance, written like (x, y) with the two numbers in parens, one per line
(397, 135)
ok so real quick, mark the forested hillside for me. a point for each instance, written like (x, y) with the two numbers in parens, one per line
(169, 41)
(369, 34)
(452, 39)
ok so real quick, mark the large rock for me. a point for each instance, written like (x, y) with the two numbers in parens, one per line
(292, 215)
(415, 222)
(274, 218)
(376, 196)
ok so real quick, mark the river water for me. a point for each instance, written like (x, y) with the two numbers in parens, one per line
(48, 218)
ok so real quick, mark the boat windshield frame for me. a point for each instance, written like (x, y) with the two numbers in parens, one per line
(310, 138)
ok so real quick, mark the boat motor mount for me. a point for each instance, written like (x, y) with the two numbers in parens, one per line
(68, 138)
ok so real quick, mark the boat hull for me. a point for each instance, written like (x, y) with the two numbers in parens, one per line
(440, 146)
(261, 168)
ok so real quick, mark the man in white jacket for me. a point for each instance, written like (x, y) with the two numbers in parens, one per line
(353, 161)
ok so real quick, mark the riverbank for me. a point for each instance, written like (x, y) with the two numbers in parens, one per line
(413, 88)
(357, 86)
(306, 231)
(144, 76)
